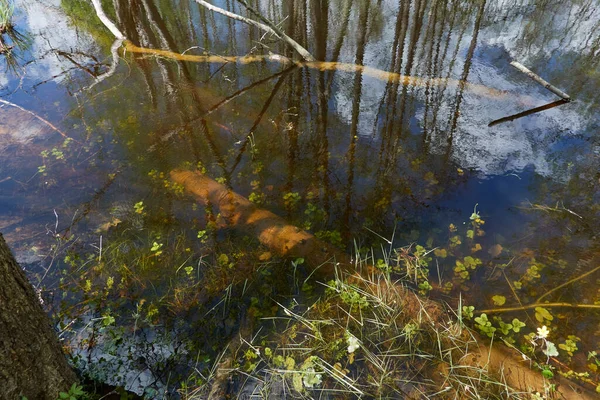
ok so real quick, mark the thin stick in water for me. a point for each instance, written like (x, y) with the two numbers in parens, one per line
(541, 81)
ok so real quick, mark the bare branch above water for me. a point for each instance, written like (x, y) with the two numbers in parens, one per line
(269, 27)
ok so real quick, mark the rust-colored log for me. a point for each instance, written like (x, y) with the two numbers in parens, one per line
(271, 230)
(287, 240)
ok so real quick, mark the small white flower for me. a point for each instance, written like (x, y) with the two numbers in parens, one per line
(353, 343)
(257, 351)
(543, 332)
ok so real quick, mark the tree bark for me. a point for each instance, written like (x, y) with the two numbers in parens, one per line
(32, 363)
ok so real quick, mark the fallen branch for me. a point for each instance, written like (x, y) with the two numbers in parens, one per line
(536, 304)
(372, 72)
(269, 28)
(114, 49)
(541, 81)
(571, 281)
(299, 49)
(106, 21)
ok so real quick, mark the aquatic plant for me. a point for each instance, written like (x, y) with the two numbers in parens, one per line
(7, 10)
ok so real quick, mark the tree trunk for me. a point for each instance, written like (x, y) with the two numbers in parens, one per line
(32, 363)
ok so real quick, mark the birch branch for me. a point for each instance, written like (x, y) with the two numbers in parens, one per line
(268, 27)
(301, 50)
(540, 80)
(106, 21)
(114, 49)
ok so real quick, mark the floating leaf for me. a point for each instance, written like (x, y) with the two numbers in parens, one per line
(517, 284)
(499, 300)
(542, 314)
(517, 325)
(441, 253)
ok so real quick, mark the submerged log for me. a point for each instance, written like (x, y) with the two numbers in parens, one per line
(288, 240)
(271, 230)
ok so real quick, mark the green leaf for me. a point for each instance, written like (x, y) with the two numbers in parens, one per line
(468, 311)
(542, 314)
(77, 390)
(499, 300)
(470, 233)
(63, 395)
(546, 373)
(441, 253)
(517, 325)
(504, 327)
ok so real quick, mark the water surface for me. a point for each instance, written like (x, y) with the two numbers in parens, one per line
(348, 154)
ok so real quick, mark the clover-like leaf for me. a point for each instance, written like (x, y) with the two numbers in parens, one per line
(517, 325)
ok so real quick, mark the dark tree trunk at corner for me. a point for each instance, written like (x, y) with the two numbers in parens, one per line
(32, 363)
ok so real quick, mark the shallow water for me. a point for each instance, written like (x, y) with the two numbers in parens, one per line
(356, 153)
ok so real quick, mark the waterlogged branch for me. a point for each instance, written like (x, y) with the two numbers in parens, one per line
(567, 283)
(528, 112)
(268, 26)
(365, 70)
(535, 305)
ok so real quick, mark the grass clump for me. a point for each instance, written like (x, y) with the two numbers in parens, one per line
(365, 337)
(7, 10)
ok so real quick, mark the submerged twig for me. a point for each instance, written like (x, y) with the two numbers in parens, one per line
(528, 112)
(567, 283)
(541, 81)
(45, 121)
(536, 304)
